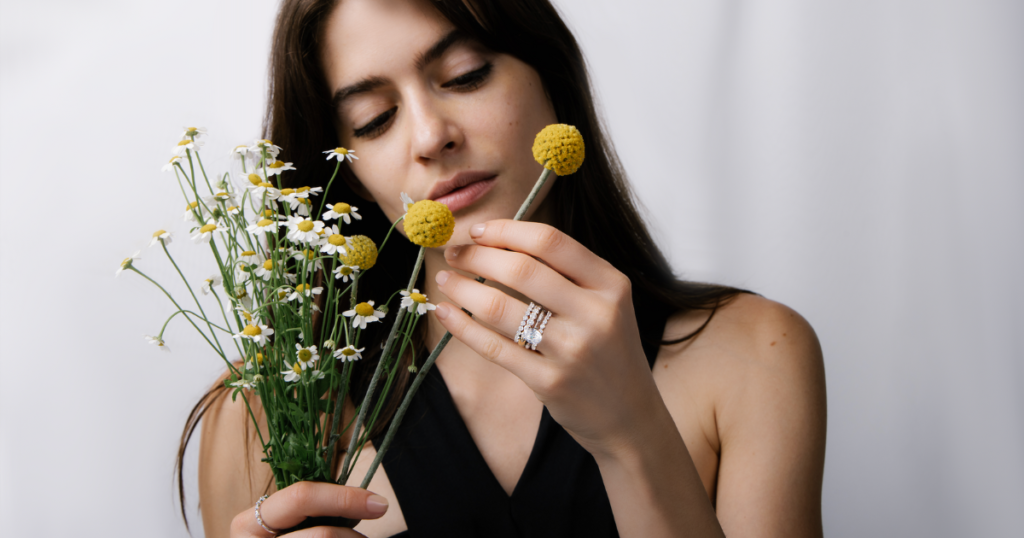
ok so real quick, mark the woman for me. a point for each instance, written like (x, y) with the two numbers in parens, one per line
(721, 429)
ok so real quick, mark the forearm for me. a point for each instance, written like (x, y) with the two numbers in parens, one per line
(653, 485)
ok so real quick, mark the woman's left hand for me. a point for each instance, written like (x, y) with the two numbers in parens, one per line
(589, 369)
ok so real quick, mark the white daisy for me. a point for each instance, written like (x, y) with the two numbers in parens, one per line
(294, 372)
(312, 263)
(306, 356)
(310, 191)
(302, 230)
(255, 331)
(334, 242)
(170, 164)
(344, 212)
(263, 226)
(259, 146)
(239, 151)
(193, 132)
(328, 344)
(220, 197)
(161, 235)
(180, 149)
(316, 375)
(274, 168)
(157, 341)
(341, 154)
(191, 209)
(304, 290)
(345, 272)
(362, 314)
(245, 383)
(416, 302)
(349, 353)
(265, 269)
(233, 210)
(205, 232)
(406, 202)
(209, 283)
(250, 318)
(127, 262)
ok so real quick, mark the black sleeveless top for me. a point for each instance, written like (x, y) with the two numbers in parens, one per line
(445, 487)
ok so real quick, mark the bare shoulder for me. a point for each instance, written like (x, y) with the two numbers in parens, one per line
(756, 376)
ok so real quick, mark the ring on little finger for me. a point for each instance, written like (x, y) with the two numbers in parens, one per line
(531, 328)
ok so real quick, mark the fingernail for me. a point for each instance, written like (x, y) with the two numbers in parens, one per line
(453, 251)
(441, 311)
(376, 504)
(477, 230)
(441, 278)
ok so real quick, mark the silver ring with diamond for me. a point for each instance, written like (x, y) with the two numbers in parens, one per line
(529, 318)
(533, 336)
(259, 518)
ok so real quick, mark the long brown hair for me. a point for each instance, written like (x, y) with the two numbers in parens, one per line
(300, 118)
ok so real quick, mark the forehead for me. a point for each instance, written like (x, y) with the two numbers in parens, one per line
(365, 38)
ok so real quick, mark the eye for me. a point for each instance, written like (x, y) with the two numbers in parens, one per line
(376, 125)
(469, 81)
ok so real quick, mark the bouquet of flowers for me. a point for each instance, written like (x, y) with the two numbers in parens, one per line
(287, 286)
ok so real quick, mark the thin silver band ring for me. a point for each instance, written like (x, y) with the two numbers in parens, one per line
(259, 519)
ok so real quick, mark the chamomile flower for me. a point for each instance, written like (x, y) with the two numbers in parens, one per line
(308, 259)
(255, 331)
(161, 235)
(259, 146)
(274, 168)
(193, 132)
(416, 302)
(316, 375)
(349, 353)
(158, 342)
(346, 272)
(170, 164)
(294, 371)
(341, 154)
(344, 212)
(362, 314)
(306, 356)
(407, 202)
(191, 209)
(248, 257)
(302, 230)
(220, 197)
(181, 149)
(205, 232)
(265, 270)
(127, 262)
(250, 318)
(263, 226)
(304, 290)
(239, 151)
(334, 242)
(245, 383)
(233, 210)
(209, 283)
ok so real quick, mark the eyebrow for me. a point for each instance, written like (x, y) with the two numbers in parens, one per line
(422, 60)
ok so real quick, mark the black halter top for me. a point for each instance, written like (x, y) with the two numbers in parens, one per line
(445, 487)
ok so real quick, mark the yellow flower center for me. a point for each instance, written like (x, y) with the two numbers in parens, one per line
(268, 265)
(341, 151)
(268, 213)
(305, 226)
(276, 164)
(241, 293)
(305, 355)
(240, 147)
(158, 233)
(252, 330)
(364, 309)
(192, 205)
(208, 228)
(342, 208)
(247, 316)
(418, 298)
(310, 254)
(263, 223)
(302, 189)
(259, 358)
(175, 158)
(191, 131)
(297, 369)
(301, 288)
(348, 351)
(336, 240)
(266, 185)
(267, 142)
(255, 179)
(286, 192)
(126, 262)
(306, 201)
(345, 270)
(184, 142)
(281, 295)
(222, 195)
(248, 253)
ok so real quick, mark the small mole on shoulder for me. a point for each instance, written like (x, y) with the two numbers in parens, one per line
(773, 343)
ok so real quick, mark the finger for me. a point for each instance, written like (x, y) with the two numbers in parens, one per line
(493, 346)
(327, 532)
(521, 273)
(295, 503)
(563, 253)
(489, 305)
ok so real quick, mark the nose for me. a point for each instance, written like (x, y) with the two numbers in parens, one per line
(435, 134)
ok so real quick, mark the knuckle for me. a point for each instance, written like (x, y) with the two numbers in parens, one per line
(522, 270)
(301, 493)
(494, 307)
(490, 348)
(550, 239)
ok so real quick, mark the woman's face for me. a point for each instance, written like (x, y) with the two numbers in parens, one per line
(431, 113)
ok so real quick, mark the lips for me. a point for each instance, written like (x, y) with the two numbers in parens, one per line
(463, 189)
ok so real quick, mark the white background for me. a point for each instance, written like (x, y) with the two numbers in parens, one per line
(860, 161)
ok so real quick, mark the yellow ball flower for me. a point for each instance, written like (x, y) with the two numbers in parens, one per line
(559, 147)
(429, 223)
(360, 251)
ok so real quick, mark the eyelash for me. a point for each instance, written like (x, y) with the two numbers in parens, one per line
(463, 83)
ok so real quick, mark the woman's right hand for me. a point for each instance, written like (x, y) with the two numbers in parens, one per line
(293, 504)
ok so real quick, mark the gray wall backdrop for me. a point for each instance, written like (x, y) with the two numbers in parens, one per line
(860, 161)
